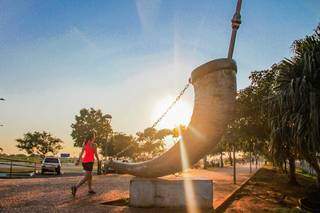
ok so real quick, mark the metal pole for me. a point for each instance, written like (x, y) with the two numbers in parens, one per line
(250, 161)
(205, 162)
(106, 147)
(10, 169)
(2, 99)
(109, 117)
(99, 168)
(234, 165)
(236, 21)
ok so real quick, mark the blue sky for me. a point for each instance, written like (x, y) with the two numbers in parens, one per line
(57, 57)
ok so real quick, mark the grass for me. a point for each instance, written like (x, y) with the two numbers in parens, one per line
(269, 190)
(16, 170)
(305, 174)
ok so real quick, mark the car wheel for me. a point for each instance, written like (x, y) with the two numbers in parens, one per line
(58, 171)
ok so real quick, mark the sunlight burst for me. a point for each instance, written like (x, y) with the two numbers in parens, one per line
(179, 114)
(187, 181)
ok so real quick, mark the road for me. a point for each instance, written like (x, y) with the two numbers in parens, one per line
(53, 194)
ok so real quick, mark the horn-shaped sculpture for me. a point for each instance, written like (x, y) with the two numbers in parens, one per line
(214, 88)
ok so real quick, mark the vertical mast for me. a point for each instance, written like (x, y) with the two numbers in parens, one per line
(236, 21)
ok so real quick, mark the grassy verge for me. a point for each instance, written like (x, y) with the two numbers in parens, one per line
(269, 191)
(16, 170)
(305, 174)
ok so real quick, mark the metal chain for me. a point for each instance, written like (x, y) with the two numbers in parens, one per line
(171, 105)
(163, 115)
(122, 151)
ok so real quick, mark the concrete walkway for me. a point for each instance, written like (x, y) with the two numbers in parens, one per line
(53, 194)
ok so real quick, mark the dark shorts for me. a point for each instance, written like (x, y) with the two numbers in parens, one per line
(87, 166)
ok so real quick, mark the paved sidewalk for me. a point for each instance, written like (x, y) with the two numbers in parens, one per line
(53, 194)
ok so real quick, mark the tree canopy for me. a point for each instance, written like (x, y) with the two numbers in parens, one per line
(151, 141)
(91, 120)
(121, 145)
(39, 143)
(295, 104)
(277, 115)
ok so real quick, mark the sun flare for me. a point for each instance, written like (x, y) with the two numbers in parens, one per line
(179, 114)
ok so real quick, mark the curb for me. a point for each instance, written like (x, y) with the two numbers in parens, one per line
(224, 204)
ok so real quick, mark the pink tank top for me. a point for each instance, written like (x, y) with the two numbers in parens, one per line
(88, 153)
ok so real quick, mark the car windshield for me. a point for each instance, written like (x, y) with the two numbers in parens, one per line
(51, 160)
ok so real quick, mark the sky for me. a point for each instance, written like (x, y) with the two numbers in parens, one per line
(128, 58)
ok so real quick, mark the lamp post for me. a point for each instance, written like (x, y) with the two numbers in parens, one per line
(2, 99)
(108, 117)
(234, 164)
(236, 21)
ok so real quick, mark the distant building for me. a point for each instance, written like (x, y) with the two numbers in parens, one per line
(64, 155)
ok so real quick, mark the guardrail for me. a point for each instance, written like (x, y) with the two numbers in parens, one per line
(16, 166)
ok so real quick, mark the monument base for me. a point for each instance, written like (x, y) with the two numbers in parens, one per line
(175, 193)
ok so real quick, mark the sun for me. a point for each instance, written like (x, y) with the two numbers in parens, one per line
(179, 114)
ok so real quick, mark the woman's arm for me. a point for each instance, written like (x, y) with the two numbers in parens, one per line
(81, 153)
(96, 152)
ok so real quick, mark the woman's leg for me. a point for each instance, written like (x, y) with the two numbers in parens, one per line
(84, 179)
(90, 180)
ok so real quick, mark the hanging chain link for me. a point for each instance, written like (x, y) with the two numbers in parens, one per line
(163, 114)
(171, 105)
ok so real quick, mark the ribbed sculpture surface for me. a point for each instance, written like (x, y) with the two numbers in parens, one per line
(215, 89)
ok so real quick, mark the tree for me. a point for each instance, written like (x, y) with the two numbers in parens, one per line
(91, 120)
(38, 143)
(297, 101)
(282, 143)
(121, 145)
(251, 107)
(219, 149)
(151, 141)
(177, 132)
(307, 96)
(263, 121)
(248, 132)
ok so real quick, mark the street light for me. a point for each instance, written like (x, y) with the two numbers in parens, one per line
(108, 117)
(2, 99)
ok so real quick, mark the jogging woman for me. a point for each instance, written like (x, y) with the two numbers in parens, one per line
(90, 150)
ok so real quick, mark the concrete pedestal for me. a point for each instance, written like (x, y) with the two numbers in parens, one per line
(154, 192)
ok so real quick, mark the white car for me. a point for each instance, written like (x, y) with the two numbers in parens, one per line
(51, 164)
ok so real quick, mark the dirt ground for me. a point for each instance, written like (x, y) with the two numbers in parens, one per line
(269, 191)
(52, 194)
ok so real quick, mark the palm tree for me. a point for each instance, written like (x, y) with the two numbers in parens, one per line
(307, 94)
(282, 144)
(295, 104)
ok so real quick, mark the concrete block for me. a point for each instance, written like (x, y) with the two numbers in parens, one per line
(156, 192)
